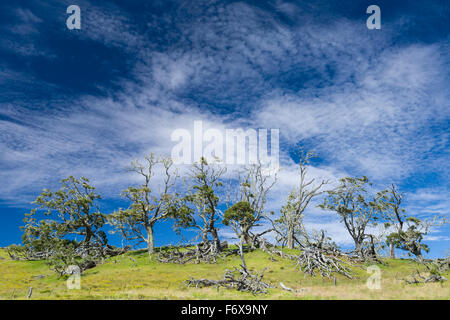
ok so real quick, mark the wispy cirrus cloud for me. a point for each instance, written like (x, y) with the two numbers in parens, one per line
(367, 104)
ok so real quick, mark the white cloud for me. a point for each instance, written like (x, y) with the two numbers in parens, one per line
(365, 105)
(374, 126)
(436, 238)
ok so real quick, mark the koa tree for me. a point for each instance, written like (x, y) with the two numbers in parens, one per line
(147, 205)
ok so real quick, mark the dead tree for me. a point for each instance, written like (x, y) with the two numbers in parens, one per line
(418, 278)
(290, 223)
(442, 265)
(312, 259)
(203, 252)
(319, 256)
(238, 278)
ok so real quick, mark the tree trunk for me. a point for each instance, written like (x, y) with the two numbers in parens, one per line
(419, 256)
(359, 248)
(392, 251)
(205, 237)
(417, 251)
(216, 239)
(246, 237)
(88, 235)
(150, 240)
(290, 238)
(241, 253)
(372, 250)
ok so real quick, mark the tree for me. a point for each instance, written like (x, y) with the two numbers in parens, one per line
(70, 212)
(147, 206)
(241, 218)
(76, 210)
(248, 211)
(199, 207)
(393, 213)
(410, 237)
(289, 225)
(356, 208)
(408, 231)
(39, 238)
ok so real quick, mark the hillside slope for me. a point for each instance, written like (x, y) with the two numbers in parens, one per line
(134, 276)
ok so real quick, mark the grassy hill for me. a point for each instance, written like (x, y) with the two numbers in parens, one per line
(134, 276)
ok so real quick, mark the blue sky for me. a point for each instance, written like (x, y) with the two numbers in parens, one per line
(87, 102)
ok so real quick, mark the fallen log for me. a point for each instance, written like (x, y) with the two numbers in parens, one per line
(238, 278)
(285, 287)
(313, 259)
(418, 278)
(203, 252)
(244, 281)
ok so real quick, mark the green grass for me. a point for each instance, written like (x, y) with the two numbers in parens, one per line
(120, 278)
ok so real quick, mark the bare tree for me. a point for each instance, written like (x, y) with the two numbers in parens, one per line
(290, 224)
(147, 207)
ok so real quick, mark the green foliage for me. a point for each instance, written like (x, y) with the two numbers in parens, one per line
(64, 256)
(198, 207)
(410, 239)
(434, 270)
(16, 252)
(69, 212)
(290, 222)
(355, 205)
(146, 206)
(183, 216)
(409, 230)
(241, 212)
(40, 237)
(207, 180)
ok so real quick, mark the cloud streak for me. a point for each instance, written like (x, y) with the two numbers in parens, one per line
(366, 102)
